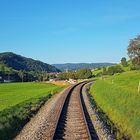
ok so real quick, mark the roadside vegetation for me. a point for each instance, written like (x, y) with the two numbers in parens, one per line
(117, 92)
(118, 97)
(19, 102)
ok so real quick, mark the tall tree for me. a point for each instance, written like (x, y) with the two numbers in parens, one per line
(2, 68)
(21, 75)
(124, 62)
(134, 50)
(9, 72)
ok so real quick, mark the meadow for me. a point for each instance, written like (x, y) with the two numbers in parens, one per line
(19, 102)
(119, 99)
(15, 93)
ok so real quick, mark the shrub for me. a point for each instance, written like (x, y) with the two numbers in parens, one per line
(114, 69)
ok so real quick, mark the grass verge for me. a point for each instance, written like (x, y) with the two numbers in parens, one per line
(119, 99)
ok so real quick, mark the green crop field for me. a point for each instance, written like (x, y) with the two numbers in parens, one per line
(118, 97)
(19, 102)
(15, 93)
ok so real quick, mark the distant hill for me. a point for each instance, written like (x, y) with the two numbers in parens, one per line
(19, 62)
(75, 66)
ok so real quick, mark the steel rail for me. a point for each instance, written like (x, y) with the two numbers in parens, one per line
(69, 92)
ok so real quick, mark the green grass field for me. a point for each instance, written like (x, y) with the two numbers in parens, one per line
(19, 102)
(118, 97)
(15, 93)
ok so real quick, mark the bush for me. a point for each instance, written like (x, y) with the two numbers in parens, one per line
(114, 69)
(135, 67)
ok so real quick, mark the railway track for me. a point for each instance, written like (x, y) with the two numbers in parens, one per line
(74, 122)
(63, 118)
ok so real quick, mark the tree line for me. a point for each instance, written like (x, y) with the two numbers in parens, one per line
(9, 74)
(83, 73)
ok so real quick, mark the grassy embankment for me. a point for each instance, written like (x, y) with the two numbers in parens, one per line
(118, 97)
(99, 71)
(19, 102)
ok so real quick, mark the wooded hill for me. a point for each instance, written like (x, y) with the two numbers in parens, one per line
(19, 62)
(76, 66)
(14, 68)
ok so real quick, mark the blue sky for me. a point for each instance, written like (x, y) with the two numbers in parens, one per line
(60, 31)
